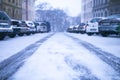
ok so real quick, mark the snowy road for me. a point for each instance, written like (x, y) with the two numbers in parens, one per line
(62, 57)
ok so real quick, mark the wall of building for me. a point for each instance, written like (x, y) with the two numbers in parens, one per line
(86, 11)
(28, 12)
(19, 9)
(99, 8)
(104, 8)
(12, 7)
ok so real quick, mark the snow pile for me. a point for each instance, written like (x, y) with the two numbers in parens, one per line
(12, 46)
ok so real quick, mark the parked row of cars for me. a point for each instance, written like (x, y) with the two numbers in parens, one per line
(100, 25)
(11, 27)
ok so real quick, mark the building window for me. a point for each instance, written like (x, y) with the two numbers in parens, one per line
(13, 11)
(4, 9)
(13, 1)
(9, 0)
(101, 14)
(104, 1)
(106, 14)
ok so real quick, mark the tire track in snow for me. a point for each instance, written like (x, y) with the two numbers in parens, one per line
(9, 66)
(110, 59)
(84, 73)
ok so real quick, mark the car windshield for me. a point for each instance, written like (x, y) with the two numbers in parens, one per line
(95, 20)
(16, 23)
(4, 16)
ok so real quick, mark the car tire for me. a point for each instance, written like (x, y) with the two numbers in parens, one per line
(89, 34)
(28, 34)
(2, 37)
(104, 34)
(12, 35)
(20, 34)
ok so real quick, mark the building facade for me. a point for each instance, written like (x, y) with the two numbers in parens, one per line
(99, 8)
(104, 8)
(28, 10)
(114, 7)
(86, 10)
(19, 9)
(12, 7)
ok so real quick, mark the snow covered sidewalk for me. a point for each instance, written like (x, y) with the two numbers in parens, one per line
(12, 46)
(109, 44)
(61, 58)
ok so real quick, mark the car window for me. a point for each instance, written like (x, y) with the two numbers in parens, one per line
(16, 23)
(22, 23)
(95, 20)
(4, 16)
(30, 24)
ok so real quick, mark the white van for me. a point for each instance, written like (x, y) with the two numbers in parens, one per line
(92, 26)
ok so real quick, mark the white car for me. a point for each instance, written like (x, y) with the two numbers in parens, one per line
(92, 26)
(31, 26)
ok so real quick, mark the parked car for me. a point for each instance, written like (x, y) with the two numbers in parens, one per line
(92, 26)
(111, 25)
(76, 29)
(44, 26)
(48, 26)
(37, 26)
(118, 29)
(82, 28)
(19, 28)
(5, 28)
(31, 26)
(70, 29)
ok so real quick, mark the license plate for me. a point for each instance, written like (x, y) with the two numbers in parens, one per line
(93, 29)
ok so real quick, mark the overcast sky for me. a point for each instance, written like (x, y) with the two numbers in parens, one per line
(72, 7)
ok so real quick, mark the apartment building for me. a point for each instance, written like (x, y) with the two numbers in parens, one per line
(28, 10)
(12, 7)
(86, 10)
(99, 8)
(104, 8)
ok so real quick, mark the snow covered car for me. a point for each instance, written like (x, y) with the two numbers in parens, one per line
(92, 26)
(5, 28)
(76, 29)
(111, 25)
(70, 29)
(44, 26)
(19, 28)
(37, 26)
(82, 28)
(31, 26)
